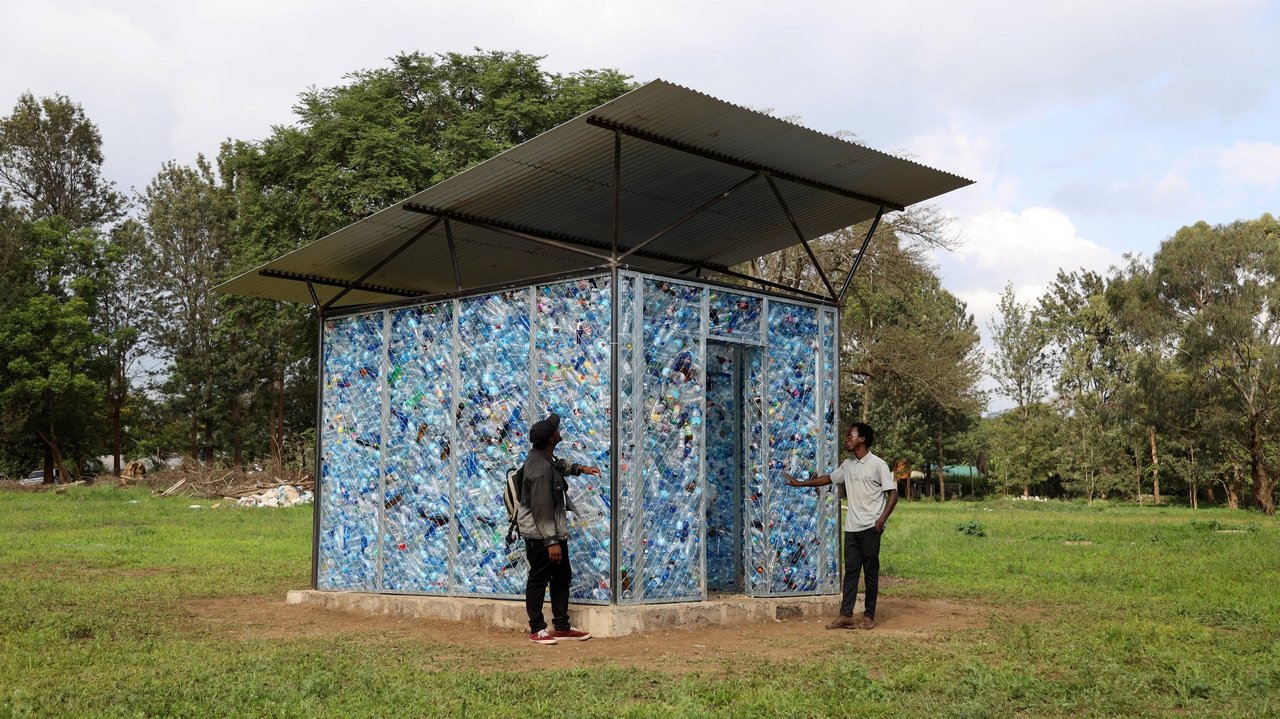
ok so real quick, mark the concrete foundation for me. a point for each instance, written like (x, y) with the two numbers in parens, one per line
(601, 621)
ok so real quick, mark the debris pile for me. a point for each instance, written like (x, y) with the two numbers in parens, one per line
(285, 495)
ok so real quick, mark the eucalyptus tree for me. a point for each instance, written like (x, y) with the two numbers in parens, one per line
(1019, 365)
(1220, 286)
(1088, 360)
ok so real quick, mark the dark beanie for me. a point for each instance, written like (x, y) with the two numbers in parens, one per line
(542, 430)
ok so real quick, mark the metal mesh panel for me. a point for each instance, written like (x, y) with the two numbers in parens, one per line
(572, 379)
(418, 518)
(756, 486)
(791, 515)
(666, 497)
(829, 454)
(734, 316)
(351, 439)
(493, 340)
(629, 484)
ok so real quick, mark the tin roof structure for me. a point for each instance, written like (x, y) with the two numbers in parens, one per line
(663, 179)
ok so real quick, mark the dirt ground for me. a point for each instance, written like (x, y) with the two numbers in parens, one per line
(674, 651)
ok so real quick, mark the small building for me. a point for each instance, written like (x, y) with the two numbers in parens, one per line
(596, 266)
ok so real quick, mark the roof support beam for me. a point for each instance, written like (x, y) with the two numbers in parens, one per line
(453, 253)
(744, 164)
(858, 260)
(315, 301)
(689, 215)
(383, 262)
(617, 195)
(796, 226)
(764, 283)
(553, 239)
(330, 282)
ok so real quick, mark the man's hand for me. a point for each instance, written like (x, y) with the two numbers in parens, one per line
(791, 481)
(880, 526)
(594, 471)
(553, 551)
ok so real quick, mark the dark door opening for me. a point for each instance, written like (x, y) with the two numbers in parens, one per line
(726, 442)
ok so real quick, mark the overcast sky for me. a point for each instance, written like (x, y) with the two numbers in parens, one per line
(1093, 128)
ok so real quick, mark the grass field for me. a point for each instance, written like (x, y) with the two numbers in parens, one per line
(1091, 611)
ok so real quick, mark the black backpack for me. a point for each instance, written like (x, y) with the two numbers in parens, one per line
(511, 497)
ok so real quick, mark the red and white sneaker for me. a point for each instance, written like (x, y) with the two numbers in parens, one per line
(542, 636)
(572, 635)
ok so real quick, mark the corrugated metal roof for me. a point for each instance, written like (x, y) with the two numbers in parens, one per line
(680, 148)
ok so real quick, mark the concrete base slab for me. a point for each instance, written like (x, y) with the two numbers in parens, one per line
(601, 621)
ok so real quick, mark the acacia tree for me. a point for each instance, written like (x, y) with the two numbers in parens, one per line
(1220, 285)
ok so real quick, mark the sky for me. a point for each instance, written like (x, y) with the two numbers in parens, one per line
(1092, 128)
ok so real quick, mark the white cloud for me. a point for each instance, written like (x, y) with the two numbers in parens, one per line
(1034, 241)
(1025, 249)
(1251, 163)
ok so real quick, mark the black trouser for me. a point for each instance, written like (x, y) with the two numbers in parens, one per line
(861, 554)
(542, 572)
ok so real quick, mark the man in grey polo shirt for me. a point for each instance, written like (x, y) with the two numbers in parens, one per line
(872, 494)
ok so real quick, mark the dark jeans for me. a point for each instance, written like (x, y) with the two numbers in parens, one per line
(542, 572)
(861, 554)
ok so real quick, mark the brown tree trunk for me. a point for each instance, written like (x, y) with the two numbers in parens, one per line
(1262, 491)
(117, 404)
(277, 421)
(1137, 468)
(1209, 495)
(1155, 467)
(1233, 489)
(236, 442)
(53, 458)
(942, 473)
(195, 437)
(208, 441)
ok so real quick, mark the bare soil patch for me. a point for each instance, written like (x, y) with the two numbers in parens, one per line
(701, 648)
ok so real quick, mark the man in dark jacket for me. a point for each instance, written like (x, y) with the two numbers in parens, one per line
(542, 523)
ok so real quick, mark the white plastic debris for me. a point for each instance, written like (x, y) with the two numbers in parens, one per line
(282, 496)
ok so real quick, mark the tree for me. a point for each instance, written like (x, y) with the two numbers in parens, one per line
(49, 382)
(1088, 357)
(51, 163)
(123, 319)
(1019, 366)
(187, 219)
(1221, 286)
(356, 148)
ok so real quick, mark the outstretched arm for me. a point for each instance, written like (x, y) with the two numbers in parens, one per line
(821, 481)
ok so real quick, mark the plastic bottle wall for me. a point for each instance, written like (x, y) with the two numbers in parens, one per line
(352, 437)
(455, 394)
(454, 386)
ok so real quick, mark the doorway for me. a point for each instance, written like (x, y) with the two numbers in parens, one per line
(728, 450)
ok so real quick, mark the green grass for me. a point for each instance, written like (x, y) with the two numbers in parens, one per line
(1100, 611)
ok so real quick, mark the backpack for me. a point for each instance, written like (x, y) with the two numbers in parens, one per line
(511, 497)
